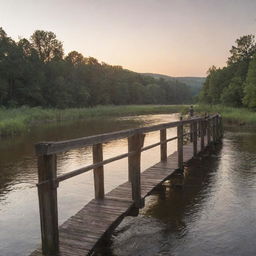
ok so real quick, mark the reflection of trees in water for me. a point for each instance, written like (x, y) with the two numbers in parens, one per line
(178, 204)
(239, 161)
(244, 141)
(18, 163)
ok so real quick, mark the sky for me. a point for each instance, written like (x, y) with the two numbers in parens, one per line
(172, 37)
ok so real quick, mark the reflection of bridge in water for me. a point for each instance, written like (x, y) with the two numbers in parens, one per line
(81, 233)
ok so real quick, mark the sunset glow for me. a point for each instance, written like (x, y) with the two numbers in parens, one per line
(178, 38)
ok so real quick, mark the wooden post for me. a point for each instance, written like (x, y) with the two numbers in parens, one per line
(218, 128)
(163, 147)
(202, 124)
(135, 143)
(194, 138)
(191, 129)
(47, 194)
(214, 129)
(98, 173)
(191, 114)
(180, 145)
(208, 131)
(221, 127)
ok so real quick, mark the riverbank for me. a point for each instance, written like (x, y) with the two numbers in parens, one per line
(20, 120)
(231, 116)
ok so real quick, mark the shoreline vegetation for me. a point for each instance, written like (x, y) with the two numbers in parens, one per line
(20, 120)
(234, 84)
(231, 115)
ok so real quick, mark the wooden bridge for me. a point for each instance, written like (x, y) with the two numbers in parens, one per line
(80, 234)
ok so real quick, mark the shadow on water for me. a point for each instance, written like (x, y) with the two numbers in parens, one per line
(19, 220)
(19, 215)
(166, 213)
(213, 214)
(18, 162)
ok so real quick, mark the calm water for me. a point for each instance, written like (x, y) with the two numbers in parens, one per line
(214, 213)
(19, 216)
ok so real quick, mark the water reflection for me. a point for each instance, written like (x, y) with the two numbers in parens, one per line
(19, 220)
(214, 213)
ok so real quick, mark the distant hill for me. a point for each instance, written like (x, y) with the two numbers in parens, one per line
(195, 83)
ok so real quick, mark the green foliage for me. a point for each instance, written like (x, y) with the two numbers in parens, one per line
(249, 99)
(195, 83)
(47, 46)
(233, 94)
(244, 49)
(233, 85)
(35, 73)
(19, 120)
(240, 116)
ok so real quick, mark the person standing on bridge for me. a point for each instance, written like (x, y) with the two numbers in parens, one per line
(191, 111)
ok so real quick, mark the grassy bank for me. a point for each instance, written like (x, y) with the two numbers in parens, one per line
(20, 120)
(241, 116)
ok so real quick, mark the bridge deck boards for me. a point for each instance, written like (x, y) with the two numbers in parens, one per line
(80, 234)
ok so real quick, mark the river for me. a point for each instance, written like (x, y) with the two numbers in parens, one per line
(213, 214)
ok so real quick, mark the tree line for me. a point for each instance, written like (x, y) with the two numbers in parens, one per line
(235, 84)
(35, 72)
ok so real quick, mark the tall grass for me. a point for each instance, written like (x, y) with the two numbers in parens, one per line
(20, 120)
(230, 115)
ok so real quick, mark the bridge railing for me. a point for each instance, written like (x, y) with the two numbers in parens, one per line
(199, 128)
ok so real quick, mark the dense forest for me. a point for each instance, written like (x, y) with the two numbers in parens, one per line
(195, 83)
(35, 72)
(235, 84)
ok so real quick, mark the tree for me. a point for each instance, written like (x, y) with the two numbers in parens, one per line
(47, 46)
(244, 49)
(11, 66)
(34, 73)
(250, 85)
(233, 94)
(75, 58)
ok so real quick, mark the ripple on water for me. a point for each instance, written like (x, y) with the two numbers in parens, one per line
(139, 236)
(214, 213)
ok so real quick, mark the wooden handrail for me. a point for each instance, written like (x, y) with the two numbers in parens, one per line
(53, 147)
(102, 163)
(116, 158)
